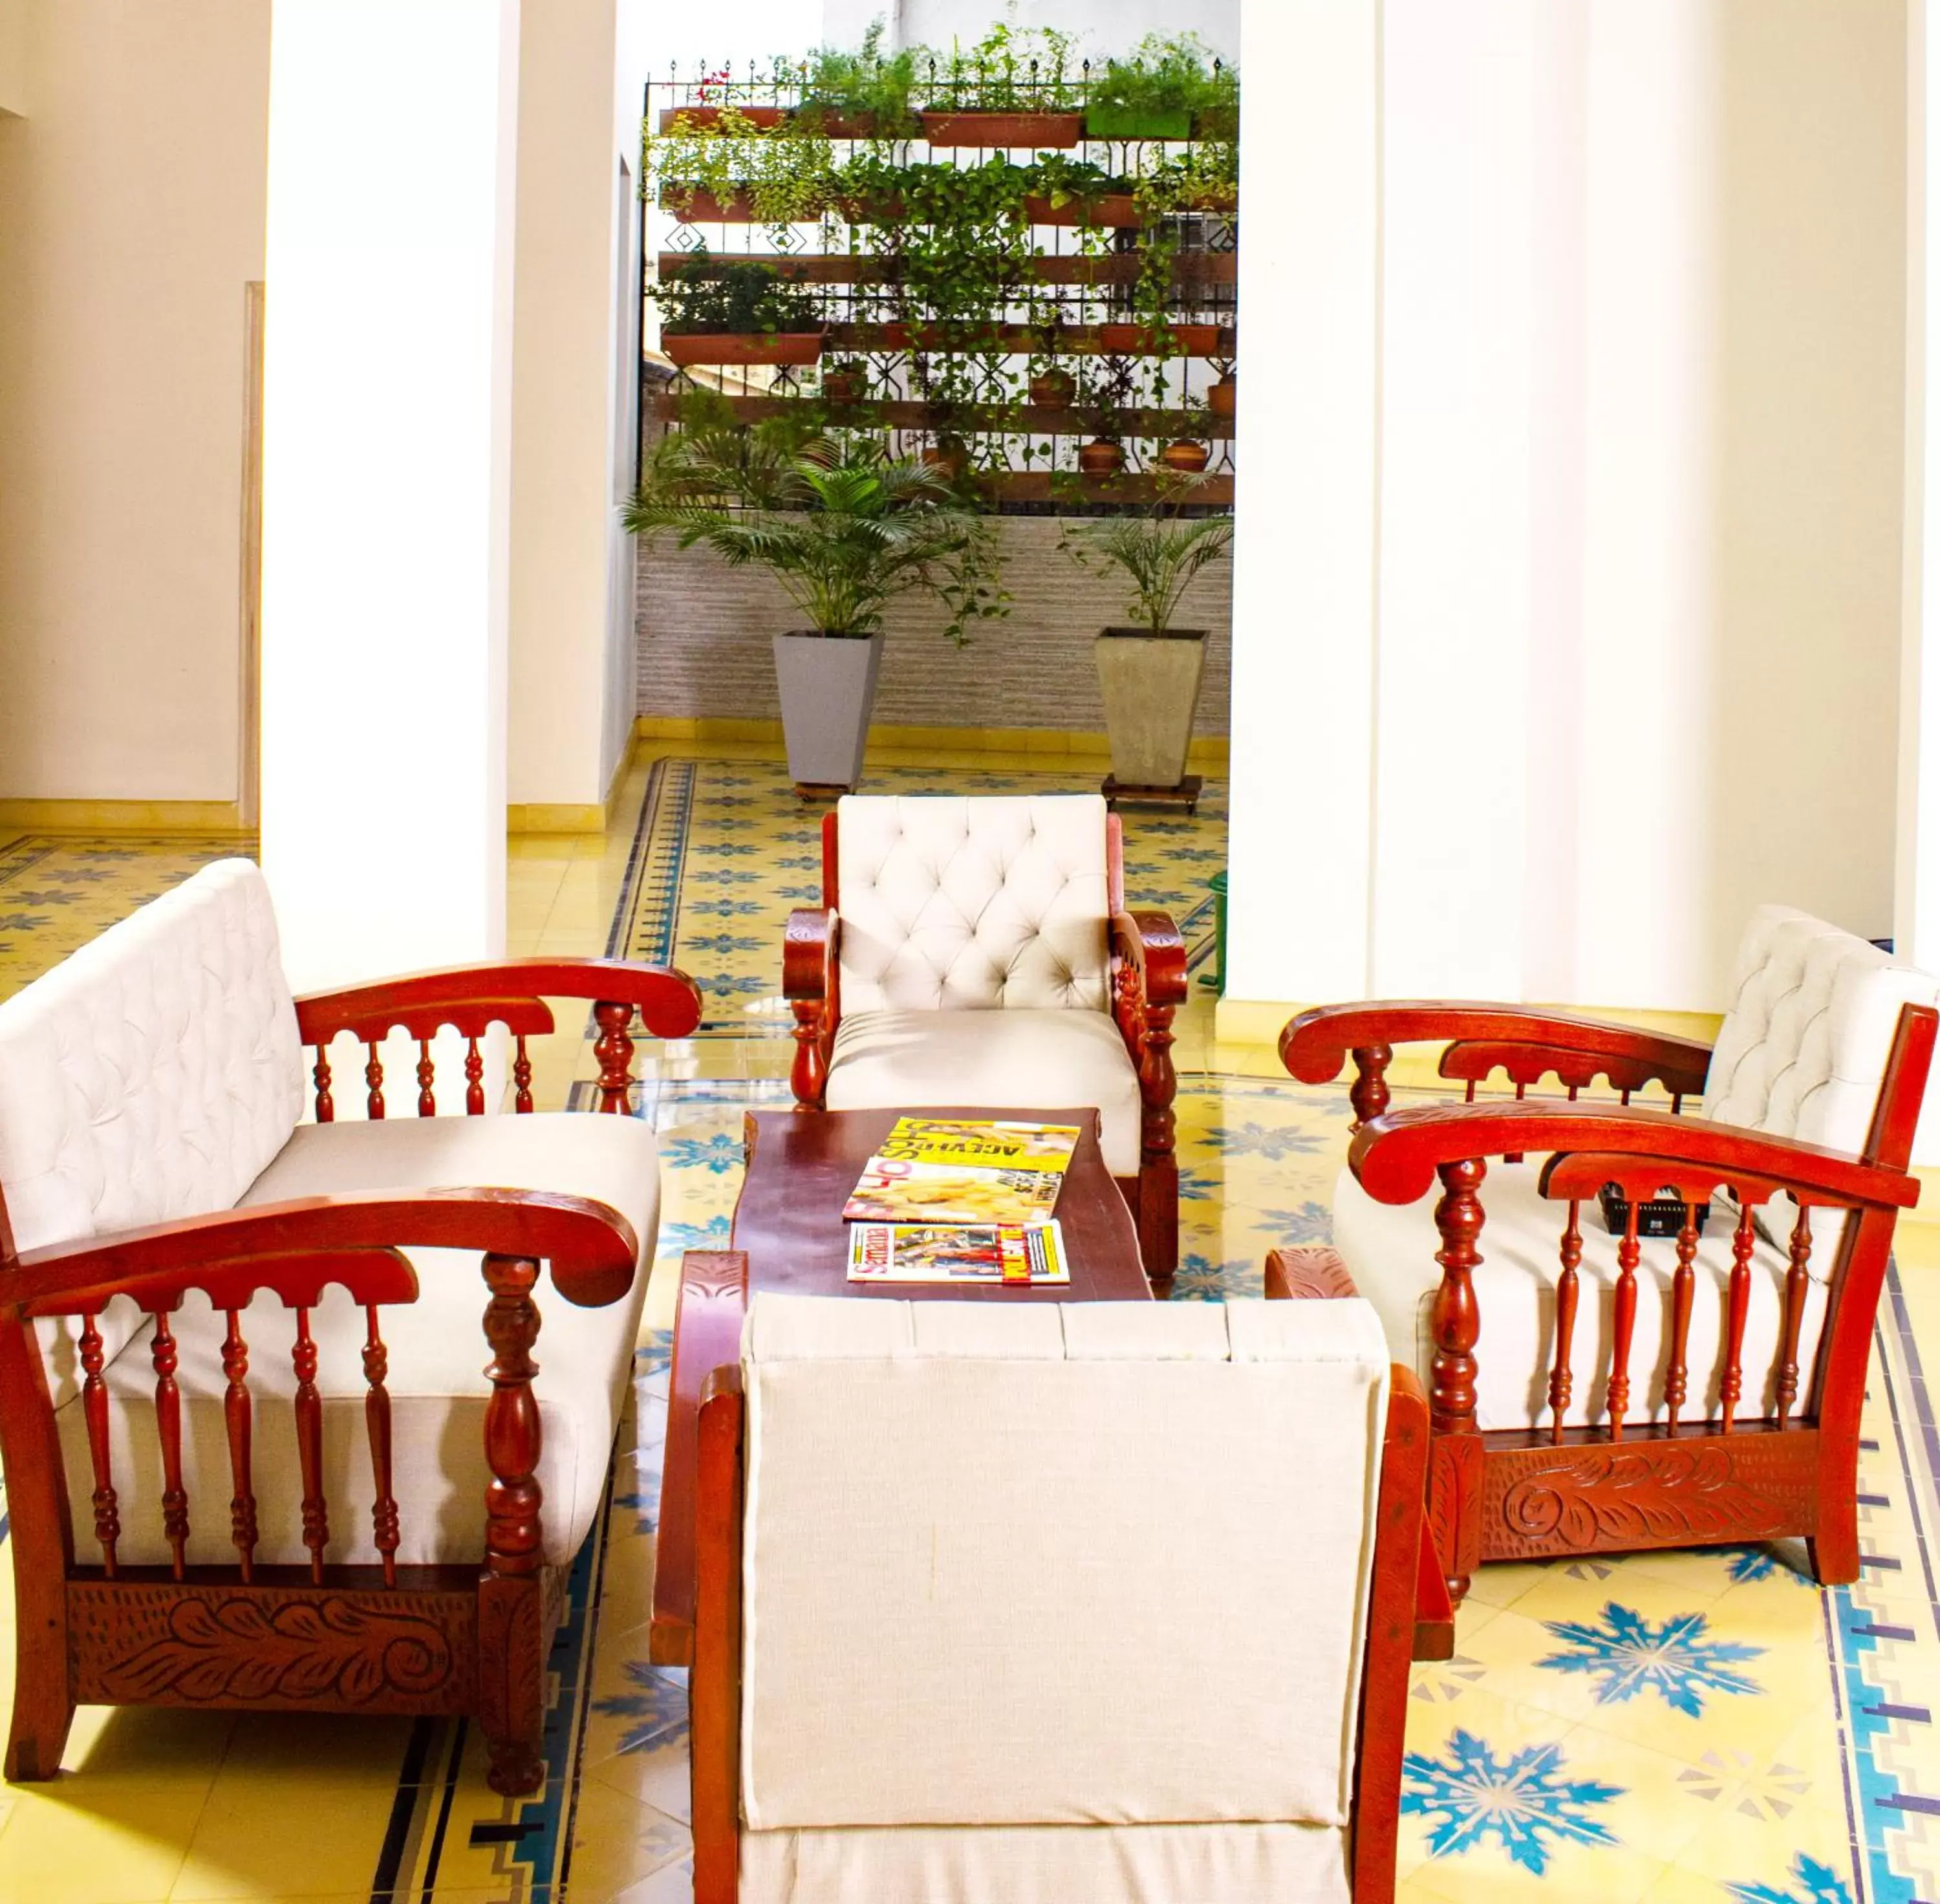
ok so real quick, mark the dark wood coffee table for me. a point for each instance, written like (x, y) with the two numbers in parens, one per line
(789, 1235)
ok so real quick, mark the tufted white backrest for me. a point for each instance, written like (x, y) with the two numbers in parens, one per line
(1803, 1049)
(1089, 1563)
(973, 904)
(156, 1073)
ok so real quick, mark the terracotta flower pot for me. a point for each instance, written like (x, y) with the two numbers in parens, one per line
(779, 347)
(1188, 459)
(845, 386)
(1038, 130)
(705, 118)
(1053, 390)
(951, 459)
(1222, 400)
(1099, 458)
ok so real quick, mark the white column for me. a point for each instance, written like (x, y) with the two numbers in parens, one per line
(1917, 859)
(387, 481)
(1304, 557)
(1458, 122)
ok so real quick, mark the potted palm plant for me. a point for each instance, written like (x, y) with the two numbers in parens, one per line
(845, 530)
(1149, 673)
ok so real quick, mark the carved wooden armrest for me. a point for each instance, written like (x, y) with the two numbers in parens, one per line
(472, 999)
(1528, 1043)
(1148, 944)
(708, 1316)
(1397, 1158)
(811, 981)
(1311, 1272)
(590, 1247)
(1148, 984)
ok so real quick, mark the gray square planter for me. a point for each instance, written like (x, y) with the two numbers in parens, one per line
(1150, 684)
(827, 687)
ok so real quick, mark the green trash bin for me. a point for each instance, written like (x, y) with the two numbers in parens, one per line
(1215, 981)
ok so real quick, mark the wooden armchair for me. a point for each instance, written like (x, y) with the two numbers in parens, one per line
(980, 952)
(300, 1494)
(913, 1667)
(1590, 1392)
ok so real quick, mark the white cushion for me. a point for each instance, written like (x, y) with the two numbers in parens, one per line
(1049, 1864)
(973, 904)
(1803, 1048)
(1116, 1575)
(438, 1353)
(1020, 1060)
(149, 1075)
(1389, 1250)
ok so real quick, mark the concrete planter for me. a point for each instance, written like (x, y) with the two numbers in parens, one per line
(1151, 686)
(828, 686)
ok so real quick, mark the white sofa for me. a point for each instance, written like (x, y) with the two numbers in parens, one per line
(153, 1091)
(1109, 1601)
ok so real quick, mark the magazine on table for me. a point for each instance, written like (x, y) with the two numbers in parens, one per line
(959, 1170)
(957, 1252)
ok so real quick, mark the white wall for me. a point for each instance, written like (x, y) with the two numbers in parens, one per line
(1634, 643)
(564, 411)
(131, 219)
(386, 482)
(13, 55)
(1103, 26)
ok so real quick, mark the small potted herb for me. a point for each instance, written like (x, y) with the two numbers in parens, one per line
(845, 381)
(865, 94)
(1158, 90)
(1149, 673)
(1011, 89)
(845, 531)
(740, 313)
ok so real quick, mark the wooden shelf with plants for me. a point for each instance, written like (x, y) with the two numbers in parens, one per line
(1022, 268)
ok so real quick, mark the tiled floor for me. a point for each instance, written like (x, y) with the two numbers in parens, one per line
(1700, 1726)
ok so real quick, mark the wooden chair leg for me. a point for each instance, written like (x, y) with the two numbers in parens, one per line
(511, 1625)
(42, 1711)
(1158, 1216)
(1834, 1550)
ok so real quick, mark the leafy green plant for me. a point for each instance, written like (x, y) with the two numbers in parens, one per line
(843, 528)
(789, 174)
(705, 298)
(1011, 69)
(867, 84)
(1163, 75)
(1154, 555)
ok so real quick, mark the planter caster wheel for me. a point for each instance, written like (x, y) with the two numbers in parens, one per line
(808, 791)
(1186, 795)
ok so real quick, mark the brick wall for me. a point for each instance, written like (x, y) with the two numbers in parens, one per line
(703, 643)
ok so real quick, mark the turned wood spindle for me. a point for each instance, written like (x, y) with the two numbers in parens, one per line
(615, 1050)
(1738, 1304)
(427, 1077)
(236, 1419)
(522, 1075)
(1800, 1254)
(1683, 1289)
(1456, 1323)
(513, 1499)
(168, 1426)
(378, 1422)
(475, 1080)
(373, 1076)
(1369, 1093)
(1562, 1380)
(308, 1409)
(1624, 1323)
(326, 1105)
(94, 1408)
(808, 1077)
